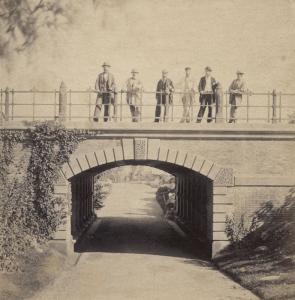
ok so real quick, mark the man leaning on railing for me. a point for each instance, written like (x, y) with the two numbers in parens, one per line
(207, 88)
(236, 91)
(106, 94)
(134, 96)
(164, 96)
(187, 87)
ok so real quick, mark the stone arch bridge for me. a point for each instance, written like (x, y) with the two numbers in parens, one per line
(218, 170)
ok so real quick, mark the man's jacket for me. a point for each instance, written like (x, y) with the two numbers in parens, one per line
(202, 85)
(165, 90)
(105, 85)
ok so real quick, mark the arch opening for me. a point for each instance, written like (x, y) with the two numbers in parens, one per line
(193, 209)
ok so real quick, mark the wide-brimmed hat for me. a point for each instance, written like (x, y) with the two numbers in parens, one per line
(164, 71)
(240, 72)
(208, 69)
(134, 71)
(105, 64)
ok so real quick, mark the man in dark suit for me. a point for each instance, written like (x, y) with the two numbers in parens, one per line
(106, 94)
(207, 87)
(164, 96)
(236, 90)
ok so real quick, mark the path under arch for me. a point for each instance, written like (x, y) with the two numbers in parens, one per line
(135, 254)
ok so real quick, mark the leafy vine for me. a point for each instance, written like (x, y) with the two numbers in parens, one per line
(30, 213)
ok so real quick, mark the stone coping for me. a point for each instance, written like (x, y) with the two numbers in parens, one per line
(178, 131)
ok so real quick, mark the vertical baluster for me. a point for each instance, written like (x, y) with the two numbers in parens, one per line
(140, 108)
(1, 108)
(219, 104)
(62, 110)
(34, 100)
(226, 106)
(89, 104)
(172, 117)
(121, 105)
(280, 108)
(6, 104)
(54, 105)
(12, 104)
(247, 107)
(70, 105)
(274, 106)
(192, 108)
(268, 107)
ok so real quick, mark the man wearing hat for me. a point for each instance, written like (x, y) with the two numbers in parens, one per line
(164, 97)
(187, 86)
(106, 96)
(134, 95)
(236, 90)
(207, 87)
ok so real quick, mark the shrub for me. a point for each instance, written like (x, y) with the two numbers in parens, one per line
(101, 190)
(269, 226)
(236, 229)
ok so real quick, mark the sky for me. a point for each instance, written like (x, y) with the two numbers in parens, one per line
(257, 37)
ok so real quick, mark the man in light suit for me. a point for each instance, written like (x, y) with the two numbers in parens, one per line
(134, 95)
(164, 97)
(106, 94)
(236, 90)
(187, 86)
(207, 88)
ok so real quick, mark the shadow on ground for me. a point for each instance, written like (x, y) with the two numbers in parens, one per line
(141, 235)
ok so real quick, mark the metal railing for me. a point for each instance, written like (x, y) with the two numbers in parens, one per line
(72, 105)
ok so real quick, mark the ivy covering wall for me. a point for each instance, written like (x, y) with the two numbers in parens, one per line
(30, 213)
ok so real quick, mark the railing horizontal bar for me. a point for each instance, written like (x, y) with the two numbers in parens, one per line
(30, 104)
(86, 117)
(31, 117)
(143, 105)
(36, 92)
(144, 92)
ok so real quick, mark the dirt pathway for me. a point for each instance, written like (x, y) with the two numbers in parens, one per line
(133, 253)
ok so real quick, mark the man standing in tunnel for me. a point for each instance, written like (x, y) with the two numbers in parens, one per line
(106, 94)
(164, 96)
(207, 87)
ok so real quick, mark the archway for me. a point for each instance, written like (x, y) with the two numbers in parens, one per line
(201, 187)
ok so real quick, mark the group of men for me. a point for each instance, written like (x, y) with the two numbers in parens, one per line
(107, 95)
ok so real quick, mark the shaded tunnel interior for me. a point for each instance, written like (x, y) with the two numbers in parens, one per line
(193, 202)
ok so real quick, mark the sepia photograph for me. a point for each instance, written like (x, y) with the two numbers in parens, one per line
(147, 149)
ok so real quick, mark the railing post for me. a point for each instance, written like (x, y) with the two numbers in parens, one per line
(1, 108)
(34, 101)
(6, 105)
(274, 106)
(219, 104)
(62, 113)
(89, 103)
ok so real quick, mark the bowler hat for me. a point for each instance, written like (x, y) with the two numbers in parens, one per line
(240, 72)
(187, 68)
(105, 64)
(208, 69)
(134, 71)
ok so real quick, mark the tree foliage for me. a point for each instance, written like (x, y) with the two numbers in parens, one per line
(21, 21)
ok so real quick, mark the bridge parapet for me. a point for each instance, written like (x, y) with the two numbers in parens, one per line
(69, 105)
